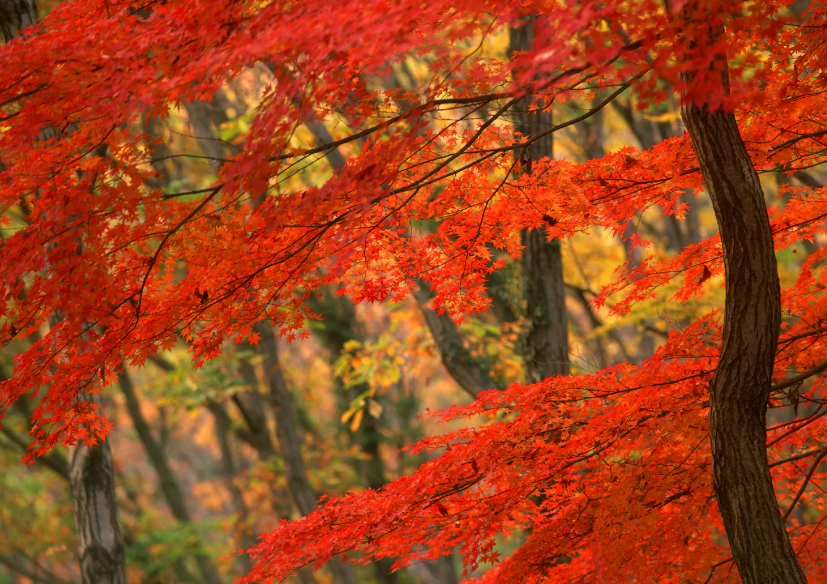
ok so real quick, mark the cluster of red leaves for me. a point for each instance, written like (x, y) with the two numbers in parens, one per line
(610, 472)
(127, 268)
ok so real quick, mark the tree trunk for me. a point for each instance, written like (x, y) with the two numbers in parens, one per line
(230, 472)
(456, 359)
(15, 15)
(100, 541)
(341, 326)
(546, 341)
(170, 487)
(740, 387)
(290, 442)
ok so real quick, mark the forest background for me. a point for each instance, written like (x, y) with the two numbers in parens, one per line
(206, 458)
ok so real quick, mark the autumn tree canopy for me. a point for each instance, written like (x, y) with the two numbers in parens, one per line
(660, 471)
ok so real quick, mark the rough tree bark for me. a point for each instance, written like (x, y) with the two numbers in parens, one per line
(546, 341)
(100, 541)
(740, 387)
(15, 15)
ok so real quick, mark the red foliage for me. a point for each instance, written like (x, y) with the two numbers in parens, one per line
(586, 461)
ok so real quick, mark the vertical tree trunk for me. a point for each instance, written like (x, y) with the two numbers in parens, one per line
(289, 441)
(15, 15)
(546, 342)
(341, 326)
(740, 387)
(100, 541)
(230, 472)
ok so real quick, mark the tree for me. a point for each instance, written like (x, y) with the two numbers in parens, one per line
(424, 195)
(547, 347)
(91, 476)
(740, 388)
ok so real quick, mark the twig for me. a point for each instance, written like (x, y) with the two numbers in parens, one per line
(804, 484)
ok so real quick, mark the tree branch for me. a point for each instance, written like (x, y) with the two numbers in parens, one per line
(23, 570)
(455, 357)
(804, 484)
(799, 378)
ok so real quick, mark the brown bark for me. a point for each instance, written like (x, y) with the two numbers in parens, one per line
(15, 15)
(230, 472)
(546, 341)
(740, 387)
(340, 326)
(100, 541)
(456, 359)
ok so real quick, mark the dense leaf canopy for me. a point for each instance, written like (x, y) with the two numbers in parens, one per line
(607, 474)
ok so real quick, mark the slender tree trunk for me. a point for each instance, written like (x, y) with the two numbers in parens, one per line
(230, 472)
(250, 403)
(740, 387)
(289, 440)
(546, 341)
(341, 326)
(170, 487)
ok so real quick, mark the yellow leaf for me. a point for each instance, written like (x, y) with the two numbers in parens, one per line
(357, 420)
(667, 117)
(351, 346)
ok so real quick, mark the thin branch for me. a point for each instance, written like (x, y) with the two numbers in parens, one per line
(807, 454)
(715, 567)
(799, 378)
(157, 253)
(53, 460)
(799, 138)
(20, 568)
(804, 484)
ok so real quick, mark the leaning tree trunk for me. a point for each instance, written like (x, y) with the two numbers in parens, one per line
(289, 441)
(546, 341)
(169, 485)
(740, 387)
(92, 477)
